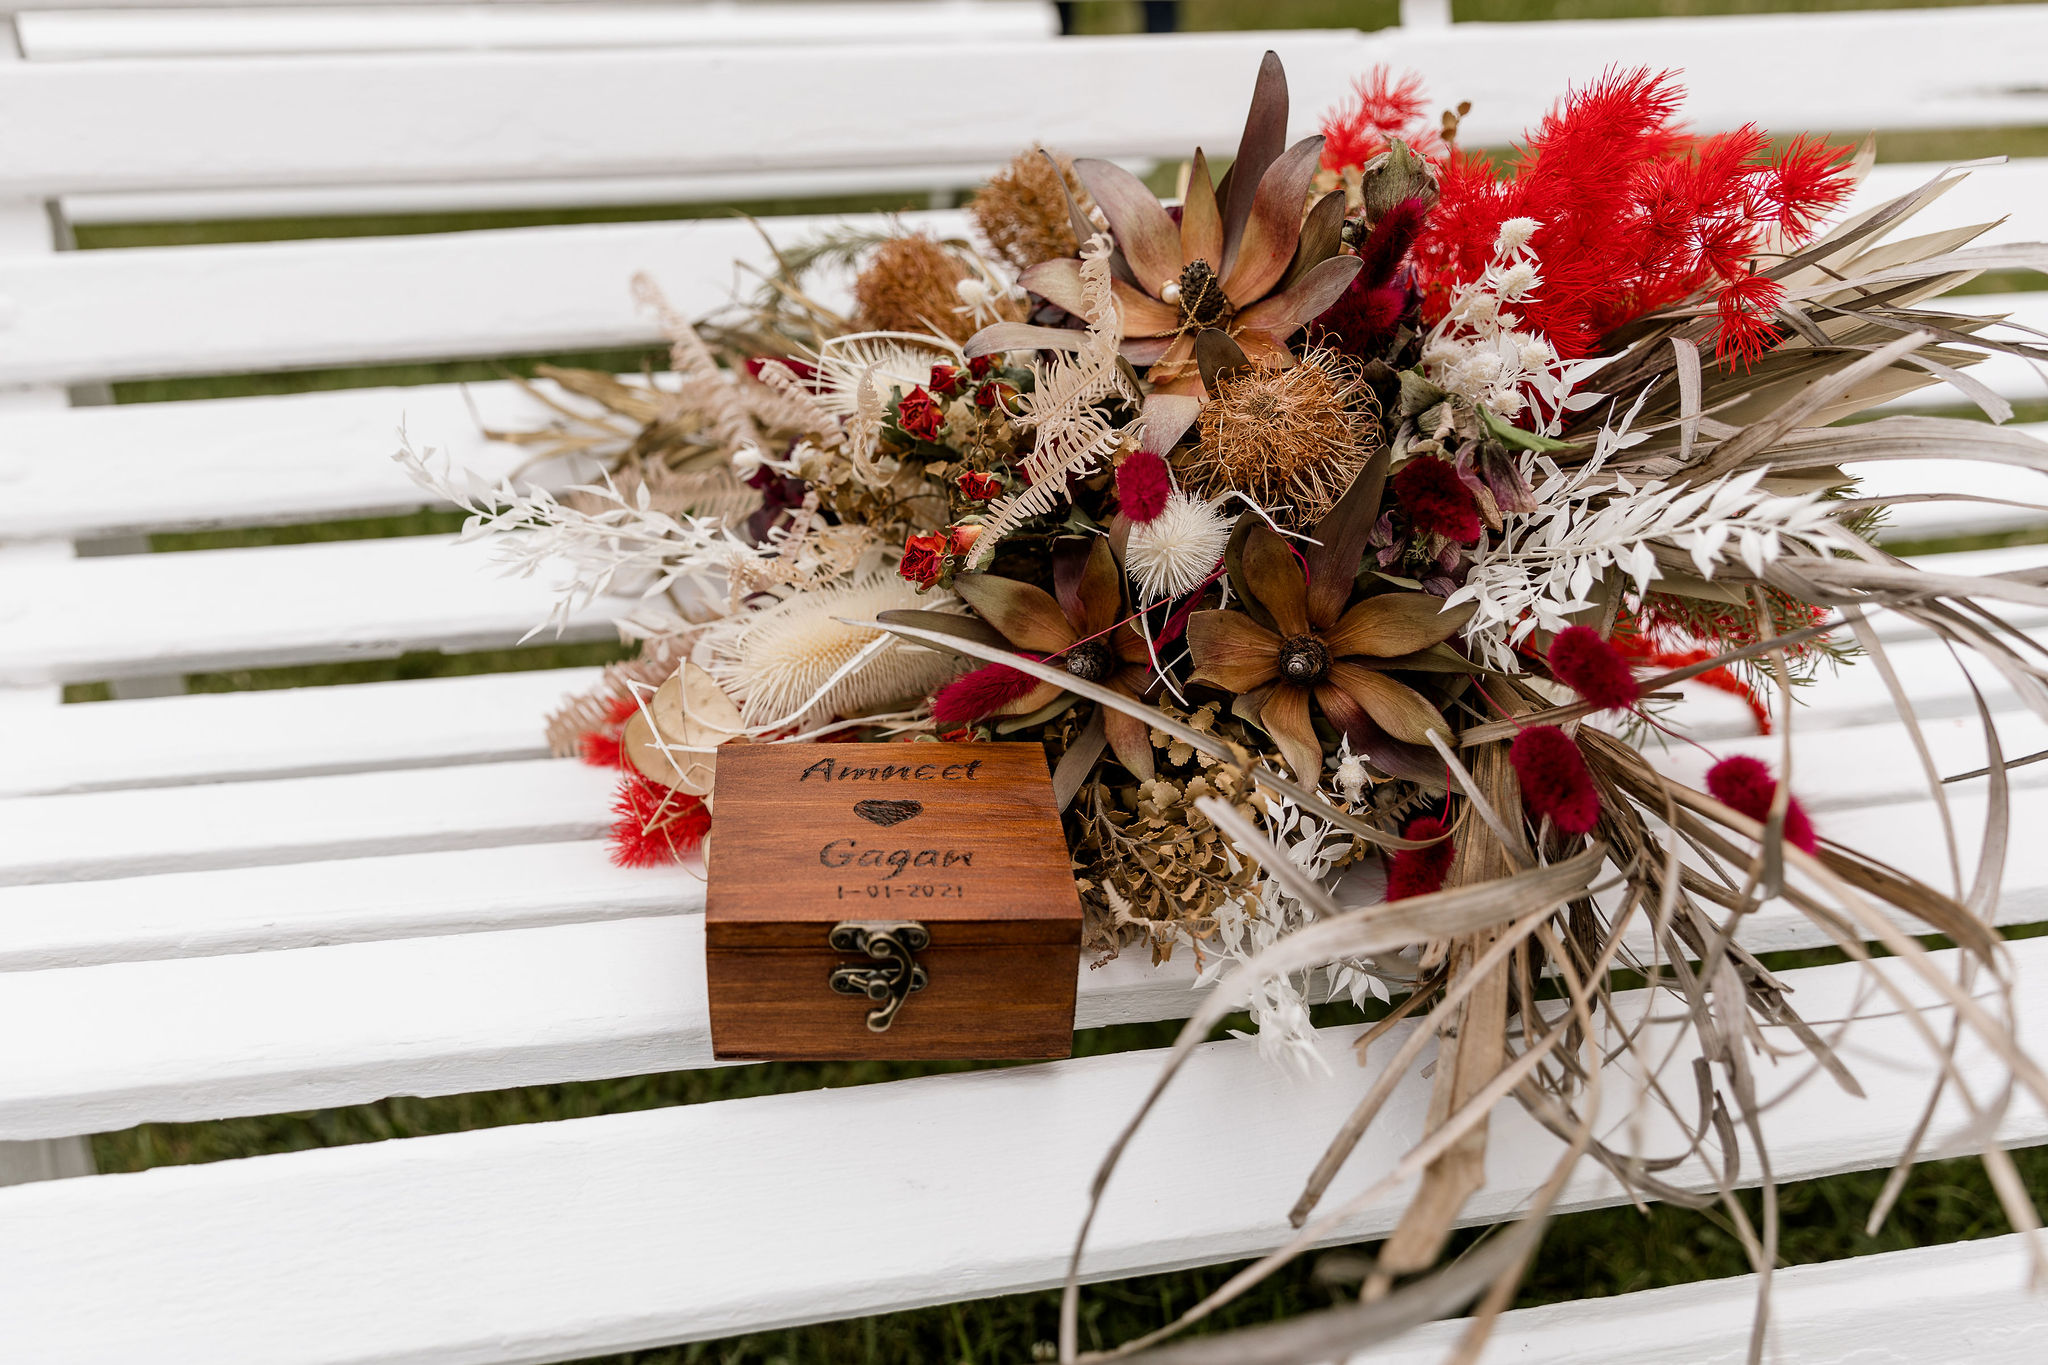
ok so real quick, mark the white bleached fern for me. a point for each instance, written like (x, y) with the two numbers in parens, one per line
(1543, 570)
(1064, 408)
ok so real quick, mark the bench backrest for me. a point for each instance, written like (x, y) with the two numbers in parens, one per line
(198, 894)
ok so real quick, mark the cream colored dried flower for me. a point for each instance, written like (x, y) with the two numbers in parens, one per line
(1296, 437)
(1174, 551)
(779, 662)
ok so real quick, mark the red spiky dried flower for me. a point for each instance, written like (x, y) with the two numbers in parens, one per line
(1419, 871)
(1586, 663)
(1745, 785)
(654, 824)
(1555, 779)
(1635, 215)
(1380, 108)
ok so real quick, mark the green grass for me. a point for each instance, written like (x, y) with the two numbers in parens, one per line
(1585, 1255)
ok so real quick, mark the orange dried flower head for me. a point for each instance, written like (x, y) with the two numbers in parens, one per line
(911, 284)
(1297, 436)
(1022, 212)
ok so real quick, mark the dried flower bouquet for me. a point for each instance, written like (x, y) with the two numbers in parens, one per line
(1335, 524)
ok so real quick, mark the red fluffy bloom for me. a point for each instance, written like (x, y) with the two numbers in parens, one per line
(1745, 329)
(1634, 215)
(1745, 785)
(1593, 668)
(980, 693)
(1357, 131)
(1437, 501)
(1142, 486)
(1555, 780)
(600, 747)
(918, 415)
(923, 558)
(654, 824)
(1419, 871)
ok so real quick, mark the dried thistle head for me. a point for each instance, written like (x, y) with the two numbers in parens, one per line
(911, 284)
(1297, 436)
(1022, 212)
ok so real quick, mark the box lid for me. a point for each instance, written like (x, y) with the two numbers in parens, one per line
(954, 835)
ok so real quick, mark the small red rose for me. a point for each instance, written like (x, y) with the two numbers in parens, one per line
(961, 539)
(920, 416)
(946, 380)
(980, 366)
(979, 486)
(923, 558)
(995, 394)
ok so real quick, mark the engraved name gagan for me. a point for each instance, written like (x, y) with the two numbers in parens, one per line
(851, 853)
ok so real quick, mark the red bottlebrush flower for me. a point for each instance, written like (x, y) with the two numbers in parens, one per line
(601, 749)
(947, 380)
(980, 487)
(1746, 329)
(920, 416)
(1745, 785)
(1555, 779)
(981, 692)
(981, 367)
(1362, 321)
(1593, 668)
(1419, 871)
(923, 558)
(655, 824)
(1387, 245)
(1437, 501)
(960, 539)
(1635, 216)
(1142, 486)
(1357, 131)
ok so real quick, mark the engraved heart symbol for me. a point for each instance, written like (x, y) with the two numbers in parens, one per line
(887, 812)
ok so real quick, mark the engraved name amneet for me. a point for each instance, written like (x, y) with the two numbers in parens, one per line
(830, 770)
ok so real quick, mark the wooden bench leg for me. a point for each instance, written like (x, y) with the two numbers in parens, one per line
(52, 1159)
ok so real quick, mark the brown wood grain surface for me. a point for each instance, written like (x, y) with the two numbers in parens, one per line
(962, 838)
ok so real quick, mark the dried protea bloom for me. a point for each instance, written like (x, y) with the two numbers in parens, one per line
(912, 284)
(1248, 258)
(1296, 437)
(1022, 210)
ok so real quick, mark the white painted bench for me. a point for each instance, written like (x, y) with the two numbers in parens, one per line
(216, 906)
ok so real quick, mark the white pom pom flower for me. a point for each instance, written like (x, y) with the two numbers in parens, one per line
(1174, 551)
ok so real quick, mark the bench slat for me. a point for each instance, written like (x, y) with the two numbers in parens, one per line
(307, 457)
(1960, 1301)
(115, 314)
(206, 31)
(505, 115)
(145, 615)
(245, 461)
(115, 616)
(289, 732)
(282, 305)
(267, 1032)
(350, 900)
(573, 1238)
(298, 732)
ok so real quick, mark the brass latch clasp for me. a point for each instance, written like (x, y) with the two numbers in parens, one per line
(894, 945)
